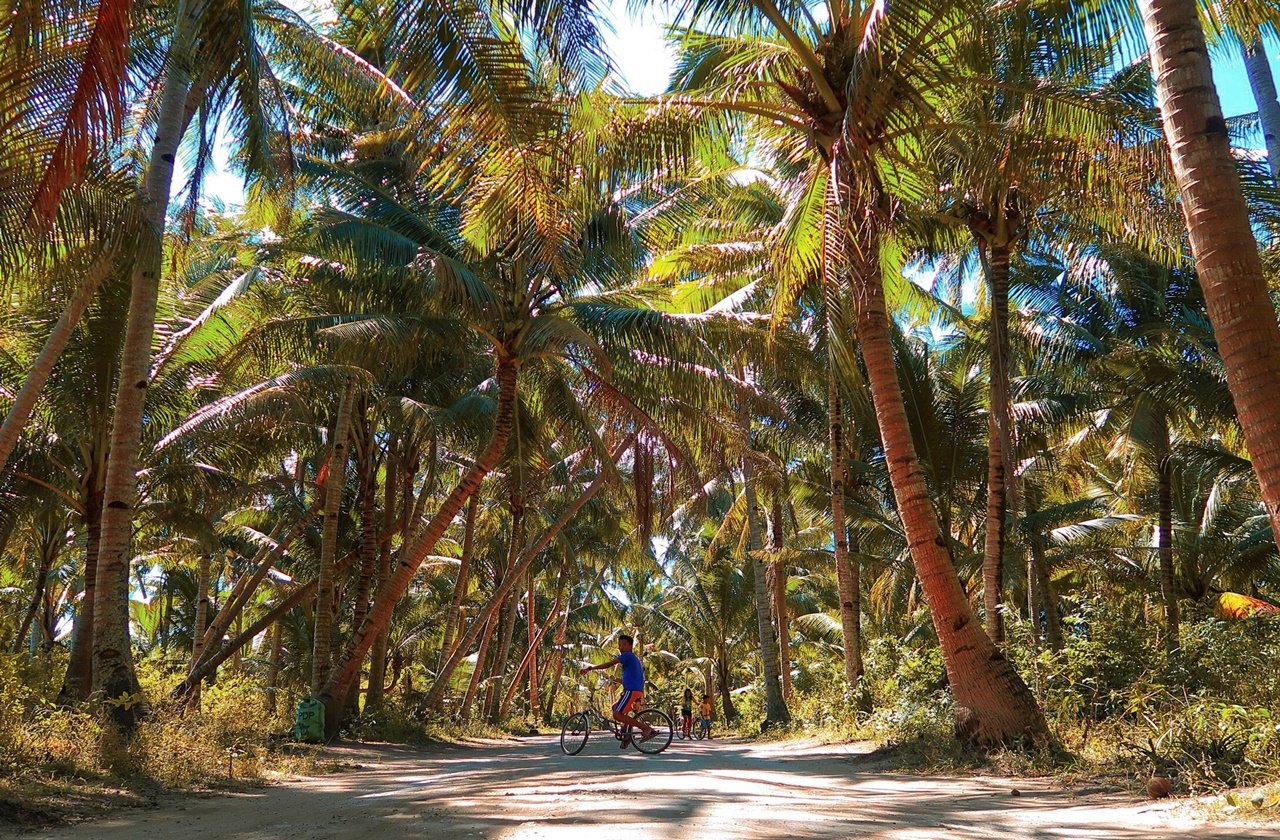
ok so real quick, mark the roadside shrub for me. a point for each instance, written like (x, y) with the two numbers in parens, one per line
(35, 735)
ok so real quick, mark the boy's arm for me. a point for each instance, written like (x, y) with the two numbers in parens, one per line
(609, 664)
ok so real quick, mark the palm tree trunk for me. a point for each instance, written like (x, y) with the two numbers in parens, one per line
(273, 668)
(999, 444)
(1052, 619)
(245, 588)
(775, 705)
(1263, 84)
(1033, 602)
(378, 652)
(211, 661)
(726, 698)
(368, 550)
(993, 704)
(847, 573)
(48, 549)
(1227, 261)
(534, 640)
(464, 574)
(389, 593)
(482, 653)
(322, 640)
(113, 675)
(504, 586)
(41, 369)
(493, 694)
(77, 685)
(778, 588)
(166, 620)
(202, 618)
(1164, 542)
(497, 667)
(562, 610)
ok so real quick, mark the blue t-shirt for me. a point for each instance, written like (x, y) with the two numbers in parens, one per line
(632, 672)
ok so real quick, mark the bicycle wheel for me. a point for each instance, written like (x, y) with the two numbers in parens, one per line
(661, 722)
(573, 737)
(698, 732)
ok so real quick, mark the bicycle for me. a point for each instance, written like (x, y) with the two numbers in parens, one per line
(700, 732)
(577, 729)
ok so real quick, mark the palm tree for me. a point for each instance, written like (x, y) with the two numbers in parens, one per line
(1019, 176)
(854, 92)
(206, 75)
(1222, 240)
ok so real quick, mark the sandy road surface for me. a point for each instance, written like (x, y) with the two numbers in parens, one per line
(699, 790)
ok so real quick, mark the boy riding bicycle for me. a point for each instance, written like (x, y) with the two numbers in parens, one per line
(632, 690)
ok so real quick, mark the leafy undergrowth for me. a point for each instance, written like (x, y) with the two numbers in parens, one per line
(60, 763)
(1119, 707)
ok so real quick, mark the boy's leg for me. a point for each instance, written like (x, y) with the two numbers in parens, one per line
(625, 707)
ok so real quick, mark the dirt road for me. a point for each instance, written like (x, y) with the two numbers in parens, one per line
(707, 791)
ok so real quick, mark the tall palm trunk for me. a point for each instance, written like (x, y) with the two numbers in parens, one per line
(464, 574)
(556, 669)
(478, 674)
(322, 639)
(1164, 540)
(114, 680)
(534, 640)
(202, 618)
(999, 444)
(273, 668)
(848, 574)
(41, 369)
(378, 652)
(166, 619)
(411, 557)
(778, 588)
(77, 685)
(1052, 619)
(515, 541)
(368, 548)
(497, 668)
(1226, 253)
(1263, 84)
(775, 704)
(726, 696)
(50, 547)
(993, 704)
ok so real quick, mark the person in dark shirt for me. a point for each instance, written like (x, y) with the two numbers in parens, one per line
(632, 690)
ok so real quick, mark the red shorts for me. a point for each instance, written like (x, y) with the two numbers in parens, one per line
(628, 702)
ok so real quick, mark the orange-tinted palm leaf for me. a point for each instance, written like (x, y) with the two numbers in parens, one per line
(93, 110)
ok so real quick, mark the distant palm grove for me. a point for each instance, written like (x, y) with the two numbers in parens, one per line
(908, 365)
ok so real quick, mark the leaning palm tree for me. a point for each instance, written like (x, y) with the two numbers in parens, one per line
(208, 74)
(1222, 240)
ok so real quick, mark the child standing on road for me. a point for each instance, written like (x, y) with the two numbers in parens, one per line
(704, 713)
(686, 713)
